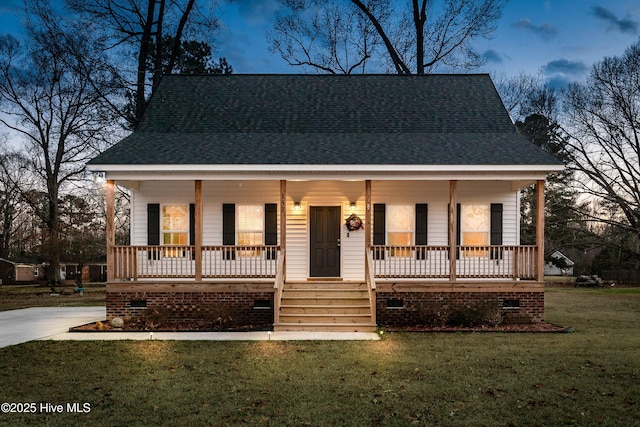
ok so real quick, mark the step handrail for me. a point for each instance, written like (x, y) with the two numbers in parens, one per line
(278, 286)
(371, 282)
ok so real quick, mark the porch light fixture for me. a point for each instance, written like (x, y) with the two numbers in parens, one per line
(353, 206)
(296, 206)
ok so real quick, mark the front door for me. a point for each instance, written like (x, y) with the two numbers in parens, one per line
(324, 223)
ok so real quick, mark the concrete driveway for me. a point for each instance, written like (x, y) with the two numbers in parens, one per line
(19, 326)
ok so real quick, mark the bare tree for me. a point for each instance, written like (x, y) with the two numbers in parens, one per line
(138, 29)
(327, 34)
(417, 40)
(517, 91)
(51, 95)
(603, 120)
(11, 208)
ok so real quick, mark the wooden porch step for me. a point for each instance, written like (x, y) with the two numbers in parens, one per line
(323, 327)
(327, 293)
(326, 309)
(325, 318)
(325, 306)
(326, 284)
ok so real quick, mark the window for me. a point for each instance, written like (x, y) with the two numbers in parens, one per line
(175, 228)
(475, 228)
(400, 221)
(250, 228)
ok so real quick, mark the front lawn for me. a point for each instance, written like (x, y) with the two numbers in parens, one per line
(588, 377)
(13, 297)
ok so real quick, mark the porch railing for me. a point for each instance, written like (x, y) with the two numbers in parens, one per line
(517, 262)
(144, 262)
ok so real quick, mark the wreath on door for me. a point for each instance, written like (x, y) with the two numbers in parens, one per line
(354, 223)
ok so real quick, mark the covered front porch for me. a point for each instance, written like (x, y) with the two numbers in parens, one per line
(294, 223)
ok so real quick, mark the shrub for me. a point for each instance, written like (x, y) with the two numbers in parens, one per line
(442, 313)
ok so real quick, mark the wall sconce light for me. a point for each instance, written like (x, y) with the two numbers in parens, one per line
(353, 206)
(296, 206)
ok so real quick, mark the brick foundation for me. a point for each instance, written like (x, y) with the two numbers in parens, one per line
(398, 305)
(399, 309)
(241, 307)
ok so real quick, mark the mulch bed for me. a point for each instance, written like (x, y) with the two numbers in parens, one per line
(194, 326)
(527, 327)
(183, 326)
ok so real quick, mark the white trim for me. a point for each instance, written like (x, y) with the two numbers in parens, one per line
(170, 169)
(521, 177)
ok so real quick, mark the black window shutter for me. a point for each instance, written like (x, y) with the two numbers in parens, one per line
(229, 229)
(192, 228)
(496, 230)
(271, 228)
(458, 232)
(192, 224)
(379, 228)
(153, 227)
(421, 229)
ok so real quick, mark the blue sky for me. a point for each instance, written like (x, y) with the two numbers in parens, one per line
(559, 38)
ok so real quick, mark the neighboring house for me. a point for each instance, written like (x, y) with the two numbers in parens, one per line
(244, 186)
(15, 272)
(560, 266)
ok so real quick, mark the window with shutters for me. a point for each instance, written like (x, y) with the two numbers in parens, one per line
(250, 228)
(175, 228)
(475, 229)
(400, 229)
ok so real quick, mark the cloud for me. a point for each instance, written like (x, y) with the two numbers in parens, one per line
(560, 72)
(626, 25)
(256, 11)
(545, 30)
(492, 56)
(564, 66)
(559, 82)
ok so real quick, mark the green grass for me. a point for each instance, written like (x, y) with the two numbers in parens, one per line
(13, 297)
(589, 377)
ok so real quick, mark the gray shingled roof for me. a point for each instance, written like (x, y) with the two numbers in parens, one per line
(314, 119)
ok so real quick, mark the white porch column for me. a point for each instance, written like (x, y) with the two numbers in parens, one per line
(540, 230)
(198, 229)
(453, 232)
(111, 230)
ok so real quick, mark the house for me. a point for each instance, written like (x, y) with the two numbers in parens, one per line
(14, 272)
(320, 202)
(558, 265)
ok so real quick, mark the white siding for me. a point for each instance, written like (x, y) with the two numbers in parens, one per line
(324, 193)
(214, 194)
(163, 192)
(436, 195)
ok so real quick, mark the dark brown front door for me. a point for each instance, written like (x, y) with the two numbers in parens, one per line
(324, 225)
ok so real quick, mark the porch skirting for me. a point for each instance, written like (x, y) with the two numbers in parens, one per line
(404, 305)
(231, 304)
